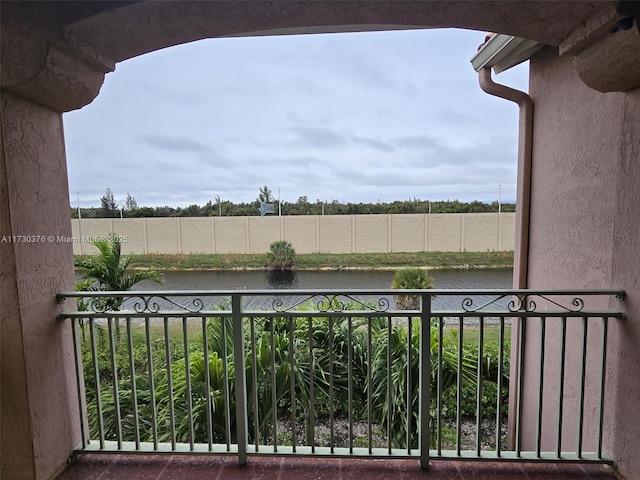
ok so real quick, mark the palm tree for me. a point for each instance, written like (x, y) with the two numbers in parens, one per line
(281, 256)
(107, 271)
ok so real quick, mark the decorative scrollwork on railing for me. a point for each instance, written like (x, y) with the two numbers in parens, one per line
(522, 303)
(141, 304)
(328, 303)
(468, 304)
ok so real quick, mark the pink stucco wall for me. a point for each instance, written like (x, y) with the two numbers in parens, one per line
(39, 407)
(585, 222)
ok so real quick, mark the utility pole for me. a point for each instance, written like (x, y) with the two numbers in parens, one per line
(279, 205)
(499, 198)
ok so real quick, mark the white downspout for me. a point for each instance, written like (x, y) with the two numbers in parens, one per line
(523, 201)
(523, 192)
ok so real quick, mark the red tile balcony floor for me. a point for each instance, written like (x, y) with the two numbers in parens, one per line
(181, 467)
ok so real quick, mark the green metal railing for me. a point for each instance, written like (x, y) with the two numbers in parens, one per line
(343, 373)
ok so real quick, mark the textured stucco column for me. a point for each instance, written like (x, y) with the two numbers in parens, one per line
(39, 404)
(584, 231)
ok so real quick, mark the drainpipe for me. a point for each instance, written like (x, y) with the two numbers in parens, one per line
(523, 199)
(521, 260)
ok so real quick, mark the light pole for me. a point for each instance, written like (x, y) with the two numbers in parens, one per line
(499, 198)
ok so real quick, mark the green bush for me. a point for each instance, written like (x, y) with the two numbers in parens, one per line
(281, 256)
(468, 409)
(410, 278)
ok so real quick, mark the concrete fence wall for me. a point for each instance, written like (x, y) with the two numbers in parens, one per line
(455, 232)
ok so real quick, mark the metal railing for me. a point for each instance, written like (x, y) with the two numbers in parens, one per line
(343, 373)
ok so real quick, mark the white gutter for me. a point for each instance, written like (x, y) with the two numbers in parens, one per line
(502, 52)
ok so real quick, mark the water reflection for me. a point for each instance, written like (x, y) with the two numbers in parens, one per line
(282, 279)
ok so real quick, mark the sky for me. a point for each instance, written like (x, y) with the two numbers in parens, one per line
(353, 117)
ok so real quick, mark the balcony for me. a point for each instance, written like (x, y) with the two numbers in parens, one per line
(342, 381)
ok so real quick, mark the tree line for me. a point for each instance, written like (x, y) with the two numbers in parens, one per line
(109, 208)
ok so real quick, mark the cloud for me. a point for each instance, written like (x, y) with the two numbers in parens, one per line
(374, 143)
(353, 117)
(173, 144)
(318, 137)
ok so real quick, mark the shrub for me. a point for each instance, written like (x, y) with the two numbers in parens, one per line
(410, 278)
(281, 256)
(468, 406)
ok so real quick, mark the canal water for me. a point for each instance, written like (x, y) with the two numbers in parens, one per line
(345, 279)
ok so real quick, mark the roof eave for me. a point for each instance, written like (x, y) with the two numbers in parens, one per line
(502, 52)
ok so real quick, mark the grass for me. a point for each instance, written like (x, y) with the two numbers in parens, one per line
(318, 261)
(491, 334)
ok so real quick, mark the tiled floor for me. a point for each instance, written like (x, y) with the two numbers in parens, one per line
(152, 467)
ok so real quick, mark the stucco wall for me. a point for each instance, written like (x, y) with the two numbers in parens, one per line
(585, 224)
(308, 234)
(39, 407)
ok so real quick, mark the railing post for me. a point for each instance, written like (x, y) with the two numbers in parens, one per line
(425, 380)
(240, 380)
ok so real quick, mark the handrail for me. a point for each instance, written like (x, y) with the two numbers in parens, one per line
(616, 292)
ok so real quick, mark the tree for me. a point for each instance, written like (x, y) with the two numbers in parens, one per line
(130, 203)
(281, 256)
(108, 204)
(265, 195)
(107, 271)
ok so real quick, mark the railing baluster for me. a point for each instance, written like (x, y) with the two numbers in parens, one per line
(563, 346)
(225, 379)
(459, 386)
(152, 385)
(134, 390)
(369, 385)
(350, 380)
(310, 414)
(439, 387)
(389, 385)
(240, 378)
(543, 324)
(292, 377)
(331, 392)
(172, 413)
(187, 372)
(96, 374)
(79, 371)
(603, 372)
(499, 388)
(520, 371)
(274, 393)
(409, 393)
(583, 373)
(254, 380)
(479, 384)
(114, 376)
(425, 379)
(207, 380)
